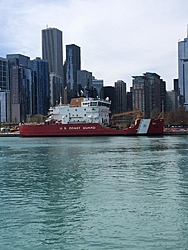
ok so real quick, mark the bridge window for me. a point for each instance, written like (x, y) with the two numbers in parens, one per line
(93, 103)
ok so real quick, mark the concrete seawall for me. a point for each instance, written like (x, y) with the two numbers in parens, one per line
(176, 132)
(9, 134)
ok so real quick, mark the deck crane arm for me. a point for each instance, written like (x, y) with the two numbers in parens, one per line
(139, 115)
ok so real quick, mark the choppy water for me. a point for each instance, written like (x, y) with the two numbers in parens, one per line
(94, 193)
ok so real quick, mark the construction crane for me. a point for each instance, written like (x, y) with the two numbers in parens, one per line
(14, 129)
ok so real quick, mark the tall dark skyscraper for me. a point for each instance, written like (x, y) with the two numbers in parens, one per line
(25, 75)
(72, 65)
(52, 49)
(41, 86)
(110, 93)
(120, 96)
(154, 91)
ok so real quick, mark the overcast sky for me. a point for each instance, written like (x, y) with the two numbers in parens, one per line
(118, 38)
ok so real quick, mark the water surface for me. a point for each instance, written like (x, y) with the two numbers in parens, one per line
(94, 193)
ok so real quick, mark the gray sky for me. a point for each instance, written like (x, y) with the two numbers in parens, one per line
(118, 38)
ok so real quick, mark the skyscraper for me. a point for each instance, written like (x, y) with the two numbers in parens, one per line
(3, 117)
(55, 88)
(72, 65)
(52, 49)
(120, 97)
(154, 91)
(84, 80)
(98, 85)
(183, 71)
(141, 97)
(41, 86)
(109, 93)
(171, 100)
(3, 73)
(25, 92)
(149, 92)
(4, 90)
(16, 62)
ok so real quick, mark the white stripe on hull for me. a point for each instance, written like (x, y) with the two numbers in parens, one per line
(143, 126)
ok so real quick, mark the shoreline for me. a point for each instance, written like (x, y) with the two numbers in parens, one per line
(10, 134)
(167, 132)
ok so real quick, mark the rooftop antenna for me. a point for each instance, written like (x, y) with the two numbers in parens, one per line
(47, 26)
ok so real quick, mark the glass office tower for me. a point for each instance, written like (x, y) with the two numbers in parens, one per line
(15, 63)
(183, 71)
(26, 84)
(72, 65)
(41, 86)
(4, 90)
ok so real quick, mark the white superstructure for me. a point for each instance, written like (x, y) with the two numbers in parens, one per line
(81, 110)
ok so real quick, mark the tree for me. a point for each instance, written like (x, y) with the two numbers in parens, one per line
(177, 117)
(38, 118)
(155, 113)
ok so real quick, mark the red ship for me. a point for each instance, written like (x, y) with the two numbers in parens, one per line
(88, 117)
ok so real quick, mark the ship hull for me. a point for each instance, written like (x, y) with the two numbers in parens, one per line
(142, 127)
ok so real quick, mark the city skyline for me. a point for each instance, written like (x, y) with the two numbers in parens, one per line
(117, 39)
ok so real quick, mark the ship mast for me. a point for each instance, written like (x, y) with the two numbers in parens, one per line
(65, 95)
(161, 115)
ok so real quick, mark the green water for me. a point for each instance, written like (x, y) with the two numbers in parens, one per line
(94, 193)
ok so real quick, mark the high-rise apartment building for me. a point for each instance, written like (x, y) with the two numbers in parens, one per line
(154, 89)
(72, 65)
(141, 97)
(120, 96)
(149, 93)
(52, 49)
(183, 71)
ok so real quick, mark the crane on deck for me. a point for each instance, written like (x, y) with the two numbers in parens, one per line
(122, 123)
(138, 113)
